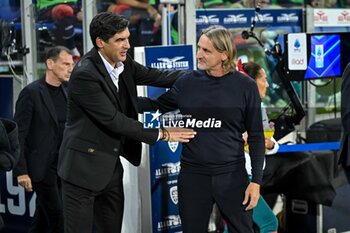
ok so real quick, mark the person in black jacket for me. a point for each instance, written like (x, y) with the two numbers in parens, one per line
(9, 148)
(41, 116)
(345, 120)
(102, 126)
(9, 145)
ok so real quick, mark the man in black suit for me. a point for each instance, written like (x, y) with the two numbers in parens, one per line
(101, 126)
(345, 119)
(41, 115)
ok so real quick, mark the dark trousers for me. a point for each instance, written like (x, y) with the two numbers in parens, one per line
(84, 209)
(48, 216)
(198, 192)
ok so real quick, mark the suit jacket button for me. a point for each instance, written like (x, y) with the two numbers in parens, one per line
(91, 150)
(115, 150)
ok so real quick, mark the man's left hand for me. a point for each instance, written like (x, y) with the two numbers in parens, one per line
(251, 195)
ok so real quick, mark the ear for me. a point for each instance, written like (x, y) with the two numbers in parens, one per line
(99, 42)
(49, 63)
(224, 56)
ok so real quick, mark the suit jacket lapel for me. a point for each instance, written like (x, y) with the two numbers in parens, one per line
(64, 90)
(130, 86)
(102, 69)
(130, 89)
(45, 95)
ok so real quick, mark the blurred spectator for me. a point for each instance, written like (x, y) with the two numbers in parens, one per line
(9, 145)
(344, 158)
(64, 14)
(289, 3)
(214, 4)
(344, 3)
(145, 21)
(137, 10)
(325, 3)
(9, 148)
(236, 4)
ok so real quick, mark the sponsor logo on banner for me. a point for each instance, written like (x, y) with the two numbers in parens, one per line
(264, 18)
(173, 146)
(331, 17)
(244, 17)
(173, 195)
(234, 19)
(170, 221)
(169, 182)
(171, 63)
(297, 53)
(320, 17)
(284, 17)
(207, 19)
(344, 17)
(194, 123)
(167, 169)
(151, 119)
(156, 120)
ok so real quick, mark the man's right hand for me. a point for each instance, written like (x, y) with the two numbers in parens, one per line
(177, 134)
(25, 182)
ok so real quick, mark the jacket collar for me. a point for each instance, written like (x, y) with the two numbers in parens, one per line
(95, 57)
(47, 98)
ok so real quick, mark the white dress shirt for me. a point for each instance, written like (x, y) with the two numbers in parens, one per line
(113, 72)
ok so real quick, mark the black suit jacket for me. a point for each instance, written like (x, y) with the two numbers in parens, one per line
(97, 127)
(9, 145)
(37, 130)
(345, 118)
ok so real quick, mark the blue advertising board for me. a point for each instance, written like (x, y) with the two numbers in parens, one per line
(165, 156)
(16, 205)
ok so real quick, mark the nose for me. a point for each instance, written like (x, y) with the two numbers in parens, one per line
(127, 44)
(199, 54)
(70, 69)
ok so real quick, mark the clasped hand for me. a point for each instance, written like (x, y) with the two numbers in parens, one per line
(178, 134)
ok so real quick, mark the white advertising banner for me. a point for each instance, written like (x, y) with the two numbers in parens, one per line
(297, 51)
(331, 17)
